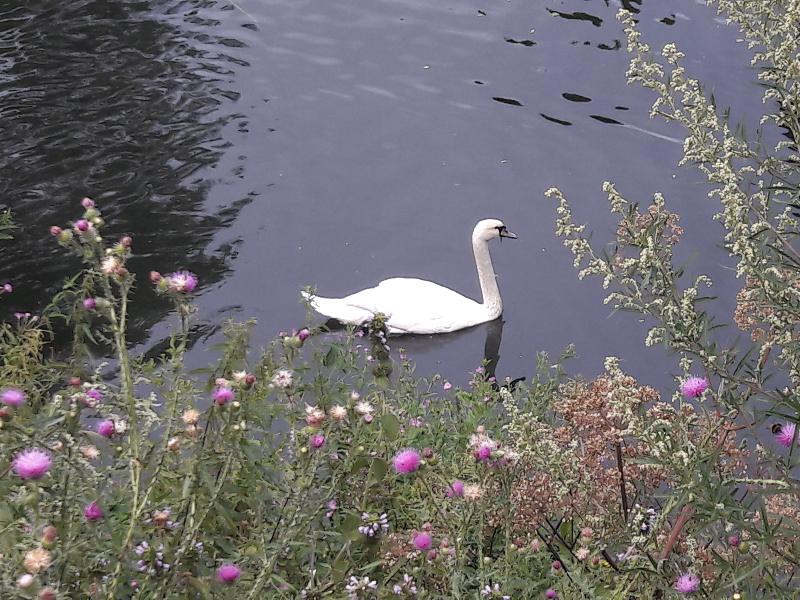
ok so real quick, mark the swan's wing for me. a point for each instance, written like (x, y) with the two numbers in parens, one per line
(419, 306)
(340, 309)
(411, 305)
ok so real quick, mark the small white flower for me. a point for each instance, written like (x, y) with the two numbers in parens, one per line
(283, 379)
(364, 408)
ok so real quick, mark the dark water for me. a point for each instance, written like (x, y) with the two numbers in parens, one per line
(267, 145)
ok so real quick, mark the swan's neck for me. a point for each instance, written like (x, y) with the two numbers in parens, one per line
(491, 294)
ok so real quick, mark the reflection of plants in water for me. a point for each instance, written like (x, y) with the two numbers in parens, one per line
(6, 224)
(757, 186)
(109, 97)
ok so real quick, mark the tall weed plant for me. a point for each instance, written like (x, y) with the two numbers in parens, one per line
(318, 467)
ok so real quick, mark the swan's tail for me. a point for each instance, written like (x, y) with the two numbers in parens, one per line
(338, 308)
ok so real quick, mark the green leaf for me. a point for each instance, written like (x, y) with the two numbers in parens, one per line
(377, 470)
(390, 425)
(349, 527)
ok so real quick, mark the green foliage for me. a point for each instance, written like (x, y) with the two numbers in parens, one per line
(757, 187)
(6, 224)
(281, 461)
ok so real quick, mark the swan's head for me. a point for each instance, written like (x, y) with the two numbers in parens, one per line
(491, 228)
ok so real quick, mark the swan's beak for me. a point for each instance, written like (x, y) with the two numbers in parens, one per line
(505, 233)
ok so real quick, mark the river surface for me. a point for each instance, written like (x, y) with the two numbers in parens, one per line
(267, 145)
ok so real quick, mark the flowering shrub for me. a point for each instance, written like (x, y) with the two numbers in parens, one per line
(728, 513)
(318, 468)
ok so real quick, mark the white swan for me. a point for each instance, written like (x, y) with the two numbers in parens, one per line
(418, 306)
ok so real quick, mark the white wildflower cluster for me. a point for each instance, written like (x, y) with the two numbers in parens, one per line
(754, 183)
(537, 448)
(372, 525)
(360, 588)
(494, 591)
(283, 379)
(642, 521)
(406, 588)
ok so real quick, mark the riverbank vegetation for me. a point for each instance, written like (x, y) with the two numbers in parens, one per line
(321, 466)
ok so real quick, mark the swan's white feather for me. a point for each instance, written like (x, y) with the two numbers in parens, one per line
(418, 306)
(411, 305)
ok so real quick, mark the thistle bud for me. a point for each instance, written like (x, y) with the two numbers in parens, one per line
(49, 535)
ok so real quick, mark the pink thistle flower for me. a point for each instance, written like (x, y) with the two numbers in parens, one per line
(89, 303)
(95, 395)
(87, 203)
(82, 225)
(693, 387)
(12, 397)
(784, 434)
(93, 512)
(304, 334)
(182, 281)
(407, 461)
(422, 541)
(456, 489)
(687, 583)
(317, 441)
(483, 453)
(106, 428)
(55, 230)
(32, 463)
(550, 594)
(447, 385)
(7, 288)
(228, 573)
(223, 395)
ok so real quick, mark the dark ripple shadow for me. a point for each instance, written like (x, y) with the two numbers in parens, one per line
(577, 16)
(509, 101)
(115, 101)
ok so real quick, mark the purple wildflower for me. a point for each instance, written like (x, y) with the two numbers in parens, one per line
(422, 541)
(784, 434)
(687, 583)
(456, 489)
(317, 441)
(93, 512)
(95, 395)
(32, 463)
(222, 395)
(693, 387)
(182, 281)
(228, 573)
(106, 428)
(89, 303)
(12, 397)
(407, 461)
